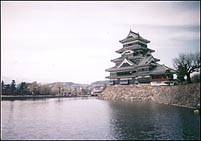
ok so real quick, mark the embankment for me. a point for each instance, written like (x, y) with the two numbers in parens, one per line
(180, 95)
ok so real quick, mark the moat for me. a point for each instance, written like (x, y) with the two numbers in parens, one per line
(91, 118)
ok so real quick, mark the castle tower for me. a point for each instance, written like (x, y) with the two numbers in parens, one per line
(136, 64)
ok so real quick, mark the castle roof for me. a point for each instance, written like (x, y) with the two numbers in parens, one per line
(136, 60)
(134, 36)
(161, 69)
(119, 59)
(134, 47)
(145, 60)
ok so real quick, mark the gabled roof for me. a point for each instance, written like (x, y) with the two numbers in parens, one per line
(145, 60)
(162, 69)
(148, 60)
(126, 61)
(119, 59)
(134, 36)
(114, 69)
(128, 52)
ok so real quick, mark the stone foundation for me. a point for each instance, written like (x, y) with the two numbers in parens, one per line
(180, 95)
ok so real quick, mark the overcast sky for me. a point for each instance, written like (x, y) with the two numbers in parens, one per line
(75, 41)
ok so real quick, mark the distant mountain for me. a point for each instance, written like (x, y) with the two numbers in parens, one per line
(69, 85)
(78, 85)
(99, 83)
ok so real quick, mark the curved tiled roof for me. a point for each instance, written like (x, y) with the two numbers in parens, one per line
(134, 36)
(161, 69)
(134, 47)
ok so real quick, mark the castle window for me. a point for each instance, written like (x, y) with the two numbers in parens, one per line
(134, 71)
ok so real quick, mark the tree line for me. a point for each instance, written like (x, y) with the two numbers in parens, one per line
(24, 88)
(41, 89)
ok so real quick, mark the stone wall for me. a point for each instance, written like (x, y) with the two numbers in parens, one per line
(180, 95)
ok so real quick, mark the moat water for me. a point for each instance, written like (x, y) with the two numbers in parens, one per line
(91, 118)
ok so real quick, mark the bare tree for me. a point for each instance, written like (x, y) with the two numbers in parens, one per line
(33, 87)
(187, 64)
(59, 85)
(44, 89)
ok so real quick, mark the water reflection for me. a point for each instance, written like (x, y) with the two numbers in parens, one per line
(139, 120)
(90, 118)
(64, 118)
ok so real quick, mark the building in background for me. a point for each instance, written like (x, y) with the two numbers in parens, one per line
(136, 64)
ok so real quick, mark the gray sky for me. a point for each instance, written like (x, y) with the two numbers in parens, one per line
(75, 41)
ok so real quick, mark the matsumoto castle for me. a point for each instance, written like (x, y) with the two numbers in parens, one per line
(136, 64)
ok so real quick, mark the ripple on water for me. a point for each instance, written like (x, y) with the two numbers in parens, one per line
(90, 118)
